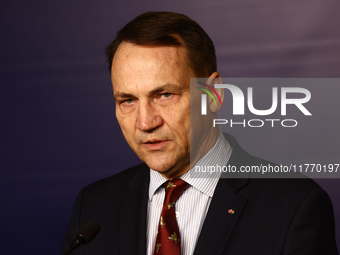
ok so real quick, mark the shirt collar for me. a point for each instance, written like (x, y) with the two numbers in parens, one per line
(206, 183)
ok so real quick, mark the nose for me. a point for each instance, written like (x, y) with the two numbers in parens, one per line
(148, 117)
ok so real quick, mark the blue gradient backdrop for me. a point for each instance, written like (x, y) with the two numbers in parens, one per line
(58, 129)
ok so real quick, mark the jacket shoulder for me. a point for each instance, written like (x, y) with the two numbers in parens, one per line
(119, 180)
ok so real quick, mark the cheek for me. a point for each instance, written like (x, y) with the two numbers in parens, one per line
(179, 123)
(127, 126)
(184, 118)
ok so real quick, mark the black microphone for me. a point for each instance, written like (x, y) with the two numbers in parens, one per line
(84, 235)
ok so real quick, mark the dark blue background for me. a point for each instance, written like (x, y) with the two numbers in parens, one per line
(58, 129)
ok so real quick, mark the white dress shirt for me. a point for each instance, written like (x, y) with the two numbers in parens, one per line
(192, 206)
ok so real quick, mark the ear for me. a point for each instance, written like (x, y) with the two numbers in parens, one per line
(215, 78)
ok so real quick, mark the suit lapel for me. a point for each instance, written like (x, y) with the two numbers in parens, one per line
(224, 211)
(133, 215)
(226, 206)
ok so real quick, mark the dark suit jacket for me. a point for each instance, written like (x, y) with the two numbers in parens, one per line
(272, 216)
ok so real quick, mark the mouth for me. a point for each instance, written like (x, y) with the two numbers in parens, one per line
(155, 145)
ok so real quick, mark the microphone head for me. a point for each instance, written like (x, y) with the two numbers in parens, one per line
(89, 231)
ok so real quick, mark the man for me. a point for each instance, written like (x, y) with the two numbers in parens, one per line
(151, 61)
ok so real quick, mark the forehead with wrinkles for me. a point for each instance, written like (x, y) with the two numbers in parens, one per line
(148, 63)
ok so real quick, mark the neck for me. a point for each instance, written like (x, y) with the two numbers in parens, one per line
(198, 148)
(204, 145)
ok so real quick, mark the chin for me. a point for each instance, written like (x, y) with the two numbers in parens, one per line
(164, 162)
(159, 167)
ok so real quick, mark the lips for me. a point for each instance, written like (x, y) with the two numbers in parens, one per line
(155, 144)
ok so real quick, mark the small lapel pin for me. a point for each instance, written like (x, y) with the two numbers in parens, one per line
(231, 211)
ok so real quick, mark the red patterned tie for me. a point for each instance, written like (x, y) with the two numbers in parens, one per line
(168, 240)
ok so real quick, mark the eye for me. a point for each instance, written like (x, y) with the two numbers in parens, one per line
(166, 95)
(127, 101)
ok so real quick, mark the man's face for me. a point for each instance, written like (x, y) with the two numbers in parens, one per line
(152, 90)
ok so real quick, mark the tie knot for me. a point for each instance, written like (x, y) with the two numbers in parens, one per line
(173, 190)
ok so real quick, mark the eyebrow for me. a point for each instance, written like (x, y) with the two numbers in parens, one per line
(166, 87)
(122, 95)
(169, 87)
